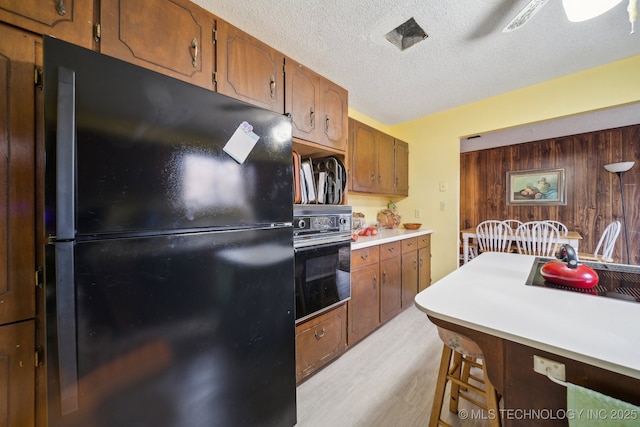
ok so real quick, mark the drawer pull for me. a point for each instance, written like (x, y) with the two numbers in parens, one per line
(272, 87)
(194, 46)
(391, 249)
(409, 244)
(364, 257)
(319, 335)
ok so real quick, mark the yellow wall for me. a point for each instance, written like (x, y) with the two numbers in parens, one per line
(434, 147)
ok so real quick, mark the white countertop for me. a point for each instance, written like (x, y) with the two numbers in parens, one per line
(489, 295)
(387, 235)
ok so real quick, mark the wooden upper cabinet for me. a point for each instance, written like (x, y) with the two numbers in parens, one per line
(334, 106)
(402, 168)
(318, 107)
(172, 37)
(302, 100)
(385, 173)
(19, 51)
(379, 163)
(68, 20)
(248, 69)
(363, 157)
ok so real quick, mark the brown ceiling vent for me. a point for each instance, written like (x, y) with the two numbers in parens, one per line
(406, 35)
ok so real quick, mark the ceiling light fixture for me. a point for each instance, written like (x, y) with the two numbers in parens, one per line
(583, 10)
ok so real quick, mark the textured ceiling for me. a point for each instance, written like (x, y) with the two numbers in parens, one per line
(466, 57)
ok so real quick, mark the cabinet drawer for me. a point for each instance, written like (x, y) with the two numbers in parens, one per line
(390, 250)
(320, 340)
(364, 256)
(409, 245)
(424, 241)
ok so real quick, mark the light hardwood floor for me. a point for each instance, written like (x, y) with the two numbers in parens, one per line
(388, 379)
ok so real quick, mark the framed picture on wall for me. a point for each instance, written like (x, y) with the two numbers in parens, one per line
(536, 187)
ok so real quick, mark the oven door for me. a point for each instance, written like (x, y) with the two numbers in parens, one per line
(323, 277)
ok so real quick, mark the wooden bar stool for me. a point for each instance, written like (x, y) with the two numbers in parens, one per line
(459, 355)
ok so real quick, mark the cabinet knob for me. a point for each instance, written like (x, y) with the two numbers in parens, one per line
(312, 117)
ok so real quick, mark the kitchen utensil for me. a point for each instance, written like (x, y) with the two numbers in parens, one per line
(567, 271)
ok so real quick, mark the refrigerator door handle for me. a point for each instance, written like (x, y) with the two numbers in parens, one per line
(66, 155)
(66, 318)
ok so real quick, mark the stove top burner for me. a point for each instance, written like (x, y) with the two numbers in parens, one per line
(619, 281)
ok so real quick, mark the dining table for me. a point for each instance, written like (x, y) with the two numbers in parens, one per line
(571, 237)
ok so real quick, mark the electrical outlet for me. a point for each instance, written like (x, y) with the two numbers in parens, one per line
(443, 186)
(548, 367)
(417, 213)
(443, 206)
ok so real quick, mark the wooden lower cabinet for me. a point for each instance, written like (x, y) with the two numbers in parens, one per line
(390, 280)
(409, 271)
(424, 262)
(320, 340)
(364, 305)
(17, 374)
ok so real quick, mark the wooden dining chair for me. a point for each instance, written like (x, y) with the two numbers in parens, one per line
(604, 249)
(513, 223)
(537, 238)
(560, 226)
(494, 236)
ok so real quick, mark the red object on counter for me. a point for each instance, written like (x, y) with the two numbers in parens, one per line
(569, 272)
(369, 231)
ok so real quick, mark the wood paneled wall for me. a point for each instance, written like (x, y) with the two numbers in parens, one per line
(593, 194)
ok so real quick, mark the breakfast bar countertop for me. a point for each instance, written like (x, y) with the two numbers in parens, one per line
(388, 235)
(490, 295)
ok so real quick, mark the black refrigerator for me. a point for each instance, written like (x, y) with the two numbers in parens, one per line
(169, 254)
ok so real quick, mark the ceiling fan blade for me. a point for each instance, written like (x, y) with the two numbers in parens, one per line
(525, 14)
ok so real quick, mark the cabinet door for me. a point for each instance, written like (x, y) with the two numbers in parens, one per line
(172, 37)
(364, 305)
(362, 155)
(302, 93)
(17, 374)
(424, 268)
(390, 288)
(334, 104)
(68, 20)
(402, 168)
(385, 180)
(424, 261)
(320, 340)
(409, 278)
(18, 55)
(248, 69)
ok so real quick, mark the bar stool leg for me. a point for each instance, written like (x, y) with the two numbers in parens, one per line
(441, 383)
(456, 371)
